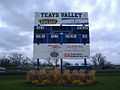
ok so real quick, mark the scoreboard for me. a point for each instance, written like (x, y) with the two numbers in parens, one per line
(61, 34)
(70, 34)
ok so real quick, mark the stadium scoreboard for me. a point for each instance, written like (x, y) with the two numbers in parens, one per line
(66, 33)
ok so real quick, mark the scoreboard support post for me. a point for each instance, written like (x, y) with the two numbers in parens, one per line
(61, 60)
(61, 65)
(38, 64)
(85, 61)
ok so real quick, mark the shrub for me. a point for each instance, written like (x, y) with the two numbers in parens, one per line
(92, 75)
(28, 76)
(54, 76)
(45, 82)
(31, 75)
(76, 82)
(82, 76)
(75, 75)
(42, 75)
(35, 82)
(66, 77)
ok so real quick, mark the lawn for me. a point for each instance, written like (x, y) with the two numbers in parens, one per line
(17, 82)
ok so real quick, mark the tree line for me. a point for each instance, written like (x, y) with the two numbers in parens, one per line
(15, 60)
(18, 60)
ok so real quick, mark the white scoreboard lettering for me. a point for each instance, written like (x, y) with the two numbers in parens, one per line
(45, 18)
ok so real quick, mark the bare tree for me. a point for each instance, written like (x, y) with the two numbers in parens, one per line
(16, 58)
(98, 60)
(4, 61)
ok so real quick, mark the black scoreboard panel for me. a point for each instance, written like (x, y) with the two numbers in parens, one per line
(61, 34)
(46, 29)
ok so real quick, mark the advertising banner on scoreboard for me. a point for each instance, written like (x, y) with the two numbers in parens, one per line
(44, 51)
(75, 51)
(66, 51)
(47, 18)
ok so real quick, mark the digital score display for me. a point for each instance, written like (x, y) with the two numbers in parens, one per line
(52, 34)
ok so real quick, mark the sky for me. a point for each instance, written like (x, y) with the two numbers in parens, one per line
(17, 22)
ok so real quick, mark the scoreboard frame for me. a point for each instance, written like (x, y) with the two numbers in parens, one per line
(50, 33)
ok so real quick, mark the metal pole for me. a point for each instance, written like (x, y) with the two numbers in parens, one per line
(61, 42)
(61, 60)
(38, 64)
(85, 61)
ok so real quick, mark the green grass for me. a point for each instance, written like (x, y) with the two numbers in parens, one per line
(17, 82)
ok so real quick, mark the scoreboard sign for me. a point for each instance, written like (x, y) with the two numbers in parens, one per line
(61, 35)
(44, 18)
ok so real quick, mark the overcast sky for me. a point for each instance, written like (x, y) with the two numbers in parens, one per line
(17, 20)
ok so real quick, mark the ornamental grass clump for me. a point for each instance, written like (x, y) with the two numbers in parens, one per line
(35, 82)
(91, 79)
(75, 75)
(82, 76)
(66, 77)
(76, 82)
(32, 75)
(45, 82)
(42, 75)
(55, 77)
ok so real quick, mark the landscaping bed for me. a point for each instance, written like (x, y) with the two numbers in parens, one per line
(55, 77)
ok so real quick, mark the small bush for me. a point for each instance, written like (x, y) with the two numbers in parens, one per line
(35, 82)
(66, 77)
(76, 82)
(54, 76)
(75, 75)
(92, 75)
(45, 82)
(42, 75)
